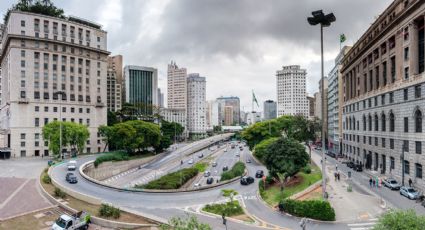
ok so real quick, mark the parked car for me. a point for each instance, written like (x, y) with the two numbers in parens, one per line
(409, 192)
(246, 180)
(210, 180)
(248, 160)
(225, 168)
(214, 164)
(68, 175)
(358, 167)
(331, 154)
(392, 184)
(350, 165)
(190, 161)
(207, 174)
(72, 179)
(259, 174)
(202, 155)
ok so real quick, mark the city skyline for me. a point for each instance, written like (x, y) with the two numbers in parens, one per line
(245, 66)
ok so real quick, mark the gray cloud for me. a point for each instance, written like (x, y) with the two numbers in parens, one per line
(238, 45)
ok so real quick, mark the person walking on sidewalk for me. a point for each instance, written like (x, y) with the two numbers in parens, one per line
(373, 183)
(410, 182)
(335, 175)
(370, 182)
(338, 176)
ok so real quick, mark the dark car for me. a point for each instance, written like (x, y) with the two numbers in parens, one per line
(259, 174)
(72, 179)
(68, 175)
(210, 180)
(358, 167)
(246, 180)
(350, 165)
(225, 168)
(331, 154)
(202, 155)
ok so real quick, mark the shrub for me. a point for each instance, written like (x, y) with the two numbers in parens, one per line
(314, 209)
(306, 169)
(46, 179)
(115, 156)
(237, 170)
(201, 166)
(46, 170)
(227, 209)
(400, 220)
(107, 211)
(173, 180)
(59, 193)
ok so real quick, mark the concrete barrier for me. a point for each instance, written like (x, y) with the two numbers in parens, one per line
(100, 221)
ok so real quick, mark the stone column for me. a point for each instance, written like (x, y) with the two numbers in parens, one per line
(413, 48)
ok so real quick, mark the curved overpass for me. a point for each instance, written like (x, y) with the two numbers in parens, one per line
(166, 205)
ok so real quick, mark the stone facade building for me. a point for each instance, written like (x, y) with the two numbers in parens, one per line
(42, 56)
(196, 106)
(384, 94)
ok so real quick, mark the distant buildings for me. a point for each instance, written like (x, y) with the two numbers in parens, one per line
(196, 106)
(233, 102)
(114, 81)
(175, 115)
(269, 110)
(291, 91)
(228, 115)
(160, 98)
(141, 84)
(176, 87)
(253, 117)
(311, 106)
(212, 114)
(115, 64)
(318, 100)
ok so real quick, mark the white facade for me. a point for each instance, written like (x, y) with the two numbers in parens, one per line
(291, 91)
(176, 87)
(318, 99)
(253, 117)
(42, 55)
(175, 115)
(212, 114)
(196, 105)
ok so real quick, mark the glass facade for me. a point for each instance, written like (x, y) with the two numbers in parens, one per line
(141, 90)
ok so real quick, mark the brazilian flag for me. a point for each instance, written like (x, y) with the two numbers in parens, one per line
(342, 38)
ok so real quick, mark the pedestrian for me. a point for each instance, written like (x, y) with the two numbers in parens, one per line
(336, 176)
(336, 167)
(373, 183)
(370, 182)
(410, 182)
(339, 176)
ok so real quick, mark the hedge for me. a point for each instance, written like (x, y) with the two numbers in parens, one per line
(106, 210)
(228, 208)
(314, 209)
(115, 156)
(237, 170)
(173, 180)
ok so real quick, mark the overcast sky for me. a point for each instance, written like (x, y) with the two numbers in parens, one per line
(238, 45)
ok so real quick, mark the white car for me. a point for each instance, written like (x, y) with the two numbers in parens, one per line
(225, 150)
(190, 161)
(72, 165)
(237, 154)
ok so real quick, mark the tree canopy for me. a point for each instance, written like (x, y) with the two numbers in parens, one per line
(286, 156)
(45, 7)
(171, 129)
(74, 135)
(189, 223)
(400, 220)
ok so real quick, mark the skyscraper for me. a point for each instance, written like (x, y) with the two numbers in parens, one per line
(228, 115)
(196, 105)
(141, 85)
(115, 64)
(269, 111)
(160, 98)
(113, 91)
(176, 87)
(52, 68)
(232, 101)
(291, 91)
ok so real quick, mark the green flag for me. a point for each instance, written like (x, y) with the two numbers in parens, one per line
(254, 99)
(342, 38)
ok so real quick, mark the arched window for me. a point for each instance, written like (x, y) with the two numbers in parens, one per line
(392, 118)
(349, 122)
(364, 123)
(418, 121)
(354, 123)
(383, 122)
(376, 122)
(369, 120)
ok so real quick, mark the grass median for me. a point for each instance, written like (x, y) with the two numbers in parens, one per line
(237, 170)
(119, 156)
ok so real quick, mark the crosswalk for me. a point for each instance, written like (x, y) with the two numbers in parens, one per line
(147, 178)
(363, 226)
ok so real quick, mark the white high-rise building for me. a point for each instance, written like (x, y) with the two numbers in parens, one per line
(291, 91)
(196, 105)
(52, 68)
(176, 87)
(212, 114)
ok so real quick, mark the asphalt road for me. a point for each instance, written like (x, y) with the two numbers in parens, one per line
(165, 206)
(361, 179)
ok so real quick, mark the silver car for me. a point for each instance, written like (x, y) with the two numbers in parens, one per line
(392, 184)
(409, 192)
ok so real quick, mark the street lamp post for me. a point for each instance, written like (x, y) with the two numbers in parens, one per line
(61, 93)
(324, 20)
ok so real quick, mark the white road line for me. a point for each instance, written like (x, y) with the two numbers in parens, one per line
(365, 228)
(362, 224)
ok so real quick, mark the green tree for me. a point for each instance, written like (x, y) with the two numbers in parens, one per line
(171, 129)
(45, 7)
(400, 220)
(261, 131)
(123, 136)
(230, 193)
(74, 135)
(189, 223)
(149, 131)
(112, 118)
(260, 148)
(286, 156)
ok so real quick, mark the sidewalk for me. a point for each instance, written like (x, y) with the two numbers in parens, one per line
(349, 206)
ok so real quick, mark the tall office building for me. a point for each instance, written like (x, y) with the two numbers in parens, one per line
(291, 91)
(383, 78)
(212, 114)
(228, 115)
(234, 102)
(41, 57)
(141, 84)
(334, 104)
(269, 110)
(113, 91)
(311, 106)
(318, 100)
(176, 87)
(160, 98)
(115, 64)
(196, 105)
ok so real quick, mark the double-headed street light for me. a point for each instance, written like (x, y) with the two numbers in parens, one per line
(324, 20)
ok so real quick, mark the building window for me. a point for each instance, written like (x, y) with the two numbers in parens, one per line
(418, 147)
(391, 143)
(406, 145)
(376, 122)
(383, 122)
(384, 73)
(406, 53)
(391, 97)
(406, 94)
(418, 169)
(406, 73)
(376, 141)
(406, 167)
(36, 108)
(46, 121)
(22, 136)
(392, 163)
(23, 153)
(418, 121)
(406, 124)
(37, 122)
(393, 67)
(46, 109)
(383, 142)
(417, 91)
(421, 48)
